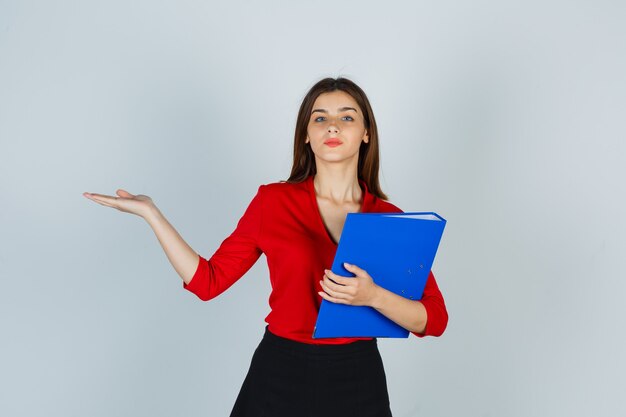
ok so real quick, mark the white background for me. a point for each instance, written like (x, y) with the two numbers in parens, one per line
(507, 118)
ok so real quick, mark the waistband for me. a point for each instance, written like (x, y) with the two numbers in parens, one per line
(307, 348)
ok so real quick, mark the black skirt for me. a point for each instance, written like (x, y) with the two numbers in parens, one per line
(289, 378)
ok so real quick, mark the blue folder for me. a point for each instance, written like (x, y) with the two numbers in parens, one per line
(397, 250)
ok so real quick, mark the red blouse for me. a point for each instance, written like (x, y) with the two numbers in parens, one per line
(283, 222)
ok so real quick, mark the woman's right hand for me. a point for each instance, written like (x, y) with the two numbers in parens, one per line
(140, 204)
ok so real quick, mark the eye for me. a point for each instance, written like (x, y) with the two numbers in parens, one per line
(349, 118)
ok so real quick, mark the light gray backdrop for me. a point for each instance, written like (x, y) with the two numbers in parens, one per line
(505, 117)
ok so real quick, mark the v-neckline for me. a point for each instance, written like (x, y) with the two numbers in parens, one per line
(319, 213)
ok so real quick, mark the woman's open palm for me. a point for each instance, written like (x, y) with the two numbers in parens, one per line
(136, 204)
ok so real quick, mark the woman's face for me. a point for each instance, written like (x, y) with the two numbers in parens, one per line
(336, 127)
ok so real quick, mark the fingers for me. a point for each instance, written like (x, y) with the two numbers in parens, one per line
(353, 268)
(346, 290)
(124, 201)
(105, 200)
(104, 203)
(336, 290)
(332, 299)
(338, 278)
(124, 193)
(96, 195)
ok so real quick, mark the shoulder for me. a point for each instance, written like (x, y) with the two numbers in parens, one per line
(384, 206)
(282, 186)
(283, 189)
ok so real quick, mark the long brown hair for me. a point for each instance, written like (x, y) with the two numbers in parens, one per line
(303, 156)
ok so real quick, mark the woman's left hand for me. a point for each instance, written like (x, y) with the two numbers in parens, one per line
(357, 291)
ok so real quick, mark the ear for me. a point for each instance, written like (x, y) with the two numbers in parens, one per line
(366, 137)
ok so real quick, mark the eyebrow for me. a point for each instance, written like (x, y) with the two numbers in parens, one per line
(340, 109)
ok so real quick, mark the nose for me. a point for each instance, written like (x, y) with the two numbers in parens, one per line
(332, 128)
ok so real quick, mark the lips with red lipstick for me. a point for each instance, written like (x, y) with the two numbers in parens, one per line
(332, 142)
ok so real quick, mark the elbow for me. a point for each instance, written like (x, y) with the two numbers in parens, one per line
(202, 293)
(436, 319)
(204, 297)
(199, 291)
(443, 323)
(199, 284)
(440, 319)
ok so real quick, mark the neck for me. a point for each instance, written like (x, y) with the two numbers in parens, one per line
(339, 187)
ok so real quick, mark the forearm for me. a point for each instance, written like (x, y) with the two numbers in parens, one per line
(182, 257)
(410, 314)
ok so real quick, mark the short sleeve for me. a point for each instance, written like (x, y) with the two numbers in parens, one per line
(436, 312)
(234, 257)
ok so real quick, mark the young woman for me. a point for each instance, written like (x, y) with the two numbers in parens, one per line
(297, 223)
